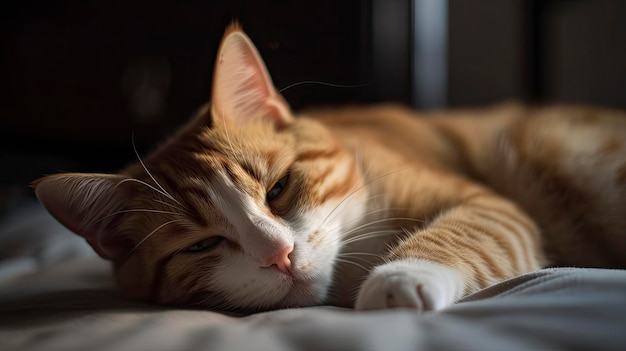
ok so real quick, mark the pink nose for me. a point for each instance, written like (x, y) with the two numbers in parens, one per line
(281, 260)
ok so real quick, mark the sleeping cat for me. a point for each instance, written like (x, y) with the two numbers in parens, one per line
(249, 207)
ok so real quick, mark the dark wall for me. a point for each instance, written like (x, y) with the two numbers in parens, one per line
(583, 52)
(79, 77)
(546, 51)
(488, 51)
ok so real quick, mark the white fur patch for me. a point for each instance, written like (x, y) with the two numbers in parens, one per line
(259, 235)
(315, 235)
(412, 283)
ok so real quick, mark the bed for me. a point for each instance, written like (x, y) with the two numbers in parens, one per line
(55, 294)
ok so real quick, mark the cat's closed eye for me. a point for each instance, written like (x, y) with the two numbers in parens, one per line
(277, 188)
(205, 244)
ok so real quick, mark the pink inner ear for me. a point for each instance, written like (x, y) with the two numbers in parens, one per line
(242, 88)
(83, 203)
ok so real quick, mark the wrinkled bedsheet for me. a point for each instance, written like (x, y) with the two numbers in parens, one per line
(56, 295)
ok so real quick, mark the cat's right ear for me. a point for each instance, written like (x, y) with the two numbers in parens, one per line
(242, 87)
(84, 203)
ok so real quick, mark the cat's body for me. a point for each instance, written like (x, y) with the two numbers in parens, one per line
(564, 167)
(250, 208)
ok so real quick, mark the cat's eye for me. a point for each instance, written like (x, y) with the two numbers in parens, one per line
(277, 189)
(205, 244)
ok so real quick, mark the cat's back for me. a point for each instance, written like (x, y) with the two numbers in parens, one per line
(564, 165)
(449, 140)
(465, 140)
(388, 129)
(374, 122)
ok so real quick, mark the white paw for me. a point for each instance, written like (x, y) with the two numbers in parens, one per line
(412, 283)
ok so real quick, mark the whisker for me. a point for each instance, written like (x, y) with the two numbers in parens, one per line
(408, 219)
(169, 204)
(134, 210)
(368, 235)
(343, 254)
(164, 192)
(357, 190)
(322, 83)
(373, 233)
(369, 213)
(148, 185)
(358, 253)
(151, 233)
(351, 262)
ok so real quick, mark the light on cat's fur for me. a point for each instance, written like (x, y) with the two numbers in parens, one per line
(249, 208)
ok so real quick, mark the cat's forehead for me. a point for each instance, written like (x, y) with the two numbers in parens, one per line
(203, 186)
(221, 193)
(248, 158)
(255, 136)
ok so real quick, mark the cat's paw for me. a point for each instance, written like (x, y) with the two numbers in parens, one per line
(412, 283)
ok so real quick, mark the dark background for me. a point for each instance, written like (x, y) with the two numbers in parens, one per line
(79, 77)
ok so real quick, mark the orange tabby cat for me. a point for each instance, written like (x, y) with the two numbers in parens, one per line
(251, 208)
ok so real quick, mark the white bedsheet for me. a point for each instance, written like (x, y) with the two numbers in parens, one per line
(64, 299)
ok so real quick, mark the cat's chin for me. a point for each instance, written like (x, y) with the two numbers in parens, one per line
(304, 293)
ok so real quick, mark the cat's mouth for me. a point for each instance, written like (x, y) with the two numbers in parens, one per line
(310, 279)
(305, 289)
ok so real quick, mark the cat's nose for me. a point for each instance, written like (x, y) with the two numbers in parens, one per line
(281, 260)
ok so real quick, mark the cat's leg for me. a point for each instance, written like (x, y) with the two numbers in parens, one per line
(481, 240)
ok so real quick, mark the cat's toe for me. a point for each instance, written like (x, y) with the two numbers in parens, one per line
(396, 290)
(410, 283)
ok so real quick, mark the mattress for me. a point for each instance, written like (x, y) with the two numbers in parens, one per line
(55, 294)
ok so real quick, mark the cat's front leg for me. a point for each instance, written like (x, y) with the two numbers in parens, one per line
(413, 283)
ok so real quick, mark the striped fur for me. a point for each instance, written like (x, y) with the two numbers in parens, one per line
(381, 207)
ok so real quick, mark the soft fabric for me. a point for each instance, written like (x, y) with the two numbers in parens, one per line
(66, 300)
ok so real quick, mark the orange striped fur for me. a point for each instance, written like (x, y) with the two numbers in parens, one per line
(250, 208)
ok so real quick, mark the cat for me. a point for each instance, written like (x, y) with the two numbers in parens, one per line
(248, 207)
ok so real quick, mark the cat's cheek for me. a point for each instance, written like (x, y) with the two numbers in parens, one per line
(249, 286)
(410, 283)
(313, 274)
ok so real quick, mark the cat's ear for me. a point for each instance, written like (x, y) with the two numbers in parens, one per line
(84, 204)
(242, 87)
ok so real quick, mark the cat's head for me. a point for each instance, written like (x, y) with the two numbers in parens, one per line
(242, 209)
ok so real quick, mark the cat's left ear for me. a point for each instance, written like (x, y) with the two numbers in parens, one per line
(84, 203)
(242, 87)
